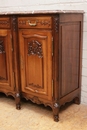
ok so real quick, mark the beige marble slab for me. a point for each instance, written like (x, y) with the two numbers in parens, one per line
(41, 11)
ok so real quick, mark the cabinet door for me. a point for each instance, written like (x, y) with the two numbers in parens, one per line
(6, 73)
(36, 62)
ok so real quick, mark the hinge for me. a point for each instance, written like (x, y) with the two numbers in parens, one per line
(52, 46)
(52, 87)
(14, 79)
(11, 42)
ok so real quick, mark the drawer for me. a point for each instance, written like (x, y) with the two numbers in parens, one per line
(5, 22)
(35, 22)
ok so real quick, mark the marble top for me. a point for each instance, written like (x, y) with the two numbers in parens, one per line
(41, 12)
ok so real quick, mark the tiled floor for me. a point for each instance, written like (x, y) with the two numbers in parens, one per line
(35, 117)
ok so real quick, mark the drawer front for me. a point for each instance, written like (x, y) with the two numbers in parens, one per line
(5, 22)
(35, 22)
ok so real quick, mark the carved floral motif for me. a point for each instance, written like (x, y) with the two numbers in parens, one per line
(37, 86)
(35, 48)
(22, 22)
(4, 22)
(2, 50)
(40, 22)
(45, 22)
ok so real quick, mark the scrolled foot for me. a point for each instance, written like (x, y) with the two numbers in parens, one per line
(77, 100)
(18, 106)
(56, 118)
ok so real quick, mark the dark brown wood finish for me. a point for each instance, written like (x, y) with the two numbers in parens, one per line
(41, 57)
(16, 61)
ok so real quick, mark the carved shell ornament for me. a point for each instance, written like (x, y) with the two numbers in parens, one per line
(35, 48)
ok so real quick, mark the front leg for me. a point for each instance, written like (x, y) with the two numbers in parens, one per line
(17, 99)
(56, 112)
(77, 100)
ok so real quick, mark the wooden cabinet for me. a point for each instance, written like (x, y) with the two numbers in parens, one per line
(40, 58)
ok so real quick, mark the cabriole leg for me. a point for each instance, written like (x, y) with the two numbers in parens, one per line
(56, 112)
(17, 99)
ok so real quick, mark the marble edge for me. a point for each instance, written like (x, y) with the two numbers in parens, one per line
(41, 11)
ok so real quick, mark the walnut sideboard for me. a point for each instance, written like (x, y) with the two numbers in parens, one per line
(41, 57)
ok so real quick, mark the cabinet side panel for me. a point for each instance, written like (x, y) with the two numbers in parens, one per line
(70, 57)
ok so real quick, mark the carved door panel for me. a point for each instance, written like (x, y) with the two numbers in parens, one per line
(6, 73)
(36, 62)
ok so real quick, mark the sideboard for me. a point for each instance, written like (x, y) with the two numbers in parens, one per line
(41, 57)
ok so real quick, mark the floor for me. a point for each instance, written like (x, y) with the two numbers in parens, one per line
(35, 117)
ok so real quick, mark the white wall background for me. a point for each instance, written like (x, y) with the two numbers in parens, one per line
(25, 5)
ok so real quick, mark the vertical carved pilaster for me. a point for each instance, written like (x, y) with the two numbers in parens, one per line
(56, 24)
(14, 23)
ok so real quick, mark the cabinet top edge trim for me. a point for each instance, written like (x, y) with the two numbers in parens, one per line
(40, 12)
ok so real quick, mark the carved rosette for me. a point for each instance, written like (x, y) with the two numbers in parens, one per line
(56, 105)
(35, 48)
(2, 50)
(17, 95)
(45, 22)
